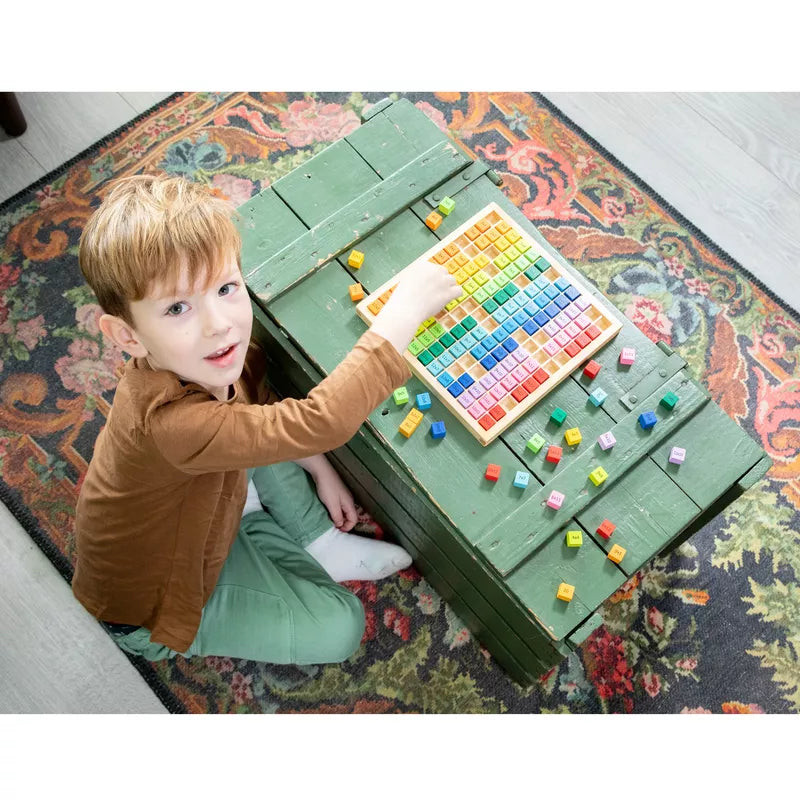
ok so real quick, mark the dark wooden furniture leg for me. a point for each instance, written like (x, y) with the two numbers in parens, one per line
(12, 120)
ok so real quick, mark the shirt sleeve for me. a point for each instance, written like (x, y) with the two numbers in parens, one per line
(198, 434)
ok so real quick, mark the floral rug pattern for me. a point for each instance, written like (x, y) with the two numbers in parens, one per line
(713, 628)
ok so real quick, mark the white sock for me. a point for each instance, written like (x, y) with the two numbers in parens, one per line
(349, 557)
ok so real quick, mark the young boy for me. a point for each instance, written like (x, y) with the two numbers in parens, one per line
(177, 552)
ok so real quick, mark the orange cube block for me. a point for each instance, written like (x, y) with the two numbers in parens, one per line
(433, 220)
(565, 592)
(617, 553)
(356, 292)
(492, 472)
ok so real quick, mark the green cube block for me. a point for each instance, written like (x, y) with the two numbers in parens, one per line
(424, 358)
(469, 323)
(447, 340)
(436, 349)
(531, 274)
(500, 296)
(491, 287)
(447, 205)
(511, 289)
(427, 338)
(416, 347)
(490, 306)
(512, 271)
(501, 261)
(501, 280)
(574, 538)
(428, 322)
(535, 443)
(511, 253)
(669, 400)
(400, 395)
(481, 296)
(531, 256)
(542, 263)
(558, 416)
(457, 331)
(436, 329)
(522, 246)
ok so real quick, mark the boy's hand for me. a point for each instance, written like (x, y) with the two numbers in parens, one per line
(336, 497)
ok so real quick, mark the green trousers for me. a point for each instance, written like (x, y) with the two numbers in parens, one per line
(273, 602)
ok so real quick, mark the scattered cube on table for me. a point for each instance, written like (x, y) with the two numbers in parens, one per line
(627, 356)
(574, 538)
(356, 292)
(355, 259)
(423, 401)
(597, 476)
(438, 431)
(573, 436)
(433, 220)
(535, 443)
(521, 479)
(400, 396)
(669, 400)
(565, 592)
(598, 397)
(647, 420)
(447, 205)
(553, 454)
(606, 528)
(558, 416)
(606, 440)
(411, 422)
(555, 500)
(677, 455)
(591, 369)
(617, 553)
(492, 472)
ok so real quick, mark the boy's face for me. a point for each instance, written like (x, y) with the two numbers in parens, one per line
(185, 333)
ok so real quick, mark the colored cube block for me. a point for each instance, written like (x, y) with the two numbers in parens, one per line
(411, 422)
(598, 397)
(356, 292)
(492, 472)
(558, 416)
(574, 538)
(591, 369)
(423, 401)
(669, 400)
(553, 454)
(433, 220)
(521, 479)
(438, 431)
(627, 356)
(677, 455)
(606, 440)
(535, 443)
(572, 436)
(647, 420)
(597, 476)
(555, 500)
(565, 592)
(617, 553)
(400, 396)
(355, 259)
(447, 205)
(606, 528)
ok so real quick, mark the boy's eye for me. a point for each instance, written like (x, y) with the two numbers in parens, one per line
(175, 309)
(227, 288)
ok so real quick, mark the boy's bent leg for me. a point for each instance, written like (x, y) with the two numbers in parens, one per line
(272, 603)
(288, 493)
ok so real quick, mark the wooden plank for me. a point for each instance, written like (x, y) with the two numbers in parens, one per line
(582, 633)
(531, 525)
(337, 233)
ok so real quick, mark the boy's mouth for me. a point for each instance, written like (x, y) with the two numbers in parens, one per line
(224, 356)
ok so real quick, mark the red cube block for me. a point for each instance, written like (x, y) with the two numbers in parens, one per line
(531, 384)
(572, 349)
(497, 412)
(592, 332)
(541, 375)
(553, 454)
(492, 472)
(592, 368)
(486, 421)
(606, 529)
(520, 393)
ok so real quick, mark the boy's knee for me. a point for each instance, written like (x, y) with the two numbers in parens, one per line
(345, 627)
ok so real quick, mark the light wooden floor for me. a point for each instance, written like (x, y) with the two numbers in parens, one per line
(730, 163)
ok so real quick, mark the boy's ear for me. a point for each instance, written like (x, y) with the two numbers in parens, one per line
(122, 334)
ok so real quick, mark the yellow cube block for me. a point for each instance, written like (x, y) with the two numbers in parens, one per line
(461, 259)
(481, 260)
(356, 292)
(565, 592)
(471, 268)
(573, 436)
(597, 476)
(411, 422)
(617, 553)
(574, 538)
(356, 259)
(503, 226)
(461, 275)
(512, 236)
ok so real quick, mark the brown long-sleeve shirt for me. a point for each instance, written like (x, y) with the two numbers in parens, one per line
(163, 495)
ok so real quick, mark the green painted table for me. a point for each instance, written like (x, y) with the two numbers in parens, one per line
(495, 553)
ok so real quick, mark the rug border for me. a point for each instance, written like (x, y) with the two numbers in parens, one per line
(61, 563)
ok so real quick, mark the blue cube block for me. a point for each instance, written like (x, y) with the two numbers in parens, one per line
(541, 300)
(542, 282)
(445, 379)
(478, 352)
(500, 316)
(509, 326)
(466, 380)
(597, 397)
(562, 284)
(455, 388)
(468, 341)
(499, 335)
(445, 359)
(512, 306)
(499, 353)
(530, 327)
(479, 333)
(572, 293)
(434, 368)
(521, 317)
(488, 362)
(551, 291)
(438, 430)
(423, 401)
(552, 310)
(561, 302)
(458, 350)
(647, 420)
(521, 479)
(510, 345)
(541, 318)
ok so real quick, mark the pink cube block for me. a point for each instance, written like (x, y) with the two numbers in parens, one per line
(487, 401)
(498, 392)
(555, 500)
(499, 372)
(571, 311)
(487, 381)
(520, 374)
(520, 354)
(466, 399)
(572, 330)
(531, 365)
(627, 356)
(676, 456)
(606, 440)
(476, 411)
(562, 320)
(582, 321)
(561, 338)
(582, 303)
(551, 347)
(509, 383)
(550, 328)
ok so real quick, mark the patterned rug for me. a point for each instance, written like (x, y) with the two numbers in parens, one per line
(714, 628)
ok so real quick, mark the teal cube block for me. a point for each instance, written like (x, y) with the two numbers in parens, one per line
(521, 479)
(423, 401)
(598, 397)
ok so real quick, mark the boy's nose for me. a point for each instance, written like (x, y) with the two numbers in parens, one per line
(215, 322)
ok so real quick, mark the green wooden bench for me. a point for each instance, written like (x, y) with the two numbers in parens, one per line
(496, 554)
